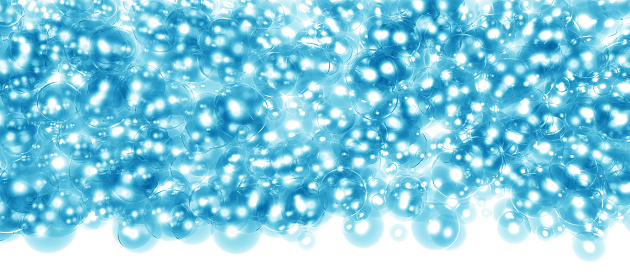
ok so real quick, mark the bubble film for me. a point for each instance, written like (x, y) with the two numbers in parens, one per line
(191, 119)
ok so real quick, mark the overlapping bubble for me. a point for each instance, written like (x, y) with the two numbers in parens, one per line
(191, 119)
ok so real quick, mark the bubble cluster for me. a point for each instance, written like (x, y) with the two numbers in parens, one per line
(193, 119)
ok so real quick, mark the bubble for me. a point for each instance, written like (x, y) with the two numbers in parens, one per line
(343, 192)
(466, 212)
(513, 227)
(206, 201)
(15, 125)
(333, 119)
(405, 196)
(588, 246)
(303, 206)
(398, 232)
(49, 244)
(242, 109)
(577, 209)
(133, 236)
(436, 228)
(236, 242)
(149, 29)
(363, 233)
(306, 240)
(452, 180)
(135, 182)
(100, 104)
(225, 50)
(112, 49)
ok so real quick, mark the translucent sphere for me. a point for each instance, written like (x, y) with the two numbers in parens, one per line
(56, 101)
(303, 206)
(206, 201)
(343, 192)
(112, 49)
(589, 246)
(100, 104)
(513, 227)
(17, 135)
(405, 196)
(363, 232)
(436, 228)
(242, 109)
(149, 28)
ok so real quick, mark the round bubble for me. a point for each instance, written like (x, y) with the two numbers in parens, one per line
(343, 192)
(237, 242)
(398, 232)
(513, 227)
(436, 227)
(363, 232)
(306, 240)
(589, 246)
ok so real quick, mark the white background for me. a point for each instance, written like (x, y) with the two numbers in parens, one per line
(97, 252)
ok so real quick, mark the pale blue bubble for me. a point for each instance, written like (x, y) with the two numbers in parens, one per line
(236, 243)
(365, 232)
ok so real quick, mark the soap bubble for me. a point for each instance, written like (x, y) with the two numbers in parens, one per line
(363, 232)
(242, 109)
(343, 192)
(588, 246)
(405, 196)
(237, 242)
(436, 228)
(513, 227)
(306, 240)
(398, 232)
(112, 49)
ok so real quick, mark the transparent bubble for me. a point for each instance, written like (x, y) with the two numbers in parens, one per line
(306, 240)
(132, 236)
(112, 49)
(242, 109)
(588, 246)
(436, 228)
(513, 227)
(364, 232)
(149, 28)
(303, 206)
(398, 232)
(405, 196)
(236, 242)
(343, 192)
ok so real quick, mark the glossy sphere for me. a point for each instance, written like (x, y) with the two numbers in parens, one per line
(303, 206)
(343, 192)
(101, 105)
(363, 233)
(437, 227)
(242, 109)
(513, 227)
(56, 101)
(589, 246)
(405, 196)
(112, 49)
(18, 136)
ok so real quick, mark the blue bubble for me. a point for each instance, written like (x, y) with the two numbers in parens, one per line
(437, 227)
(363, 233)
(588, 246)
(405, 196)
(237, 242)
(398, 232)
(306, 240)
(513, 227)
(343, 192)
(133, 236)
